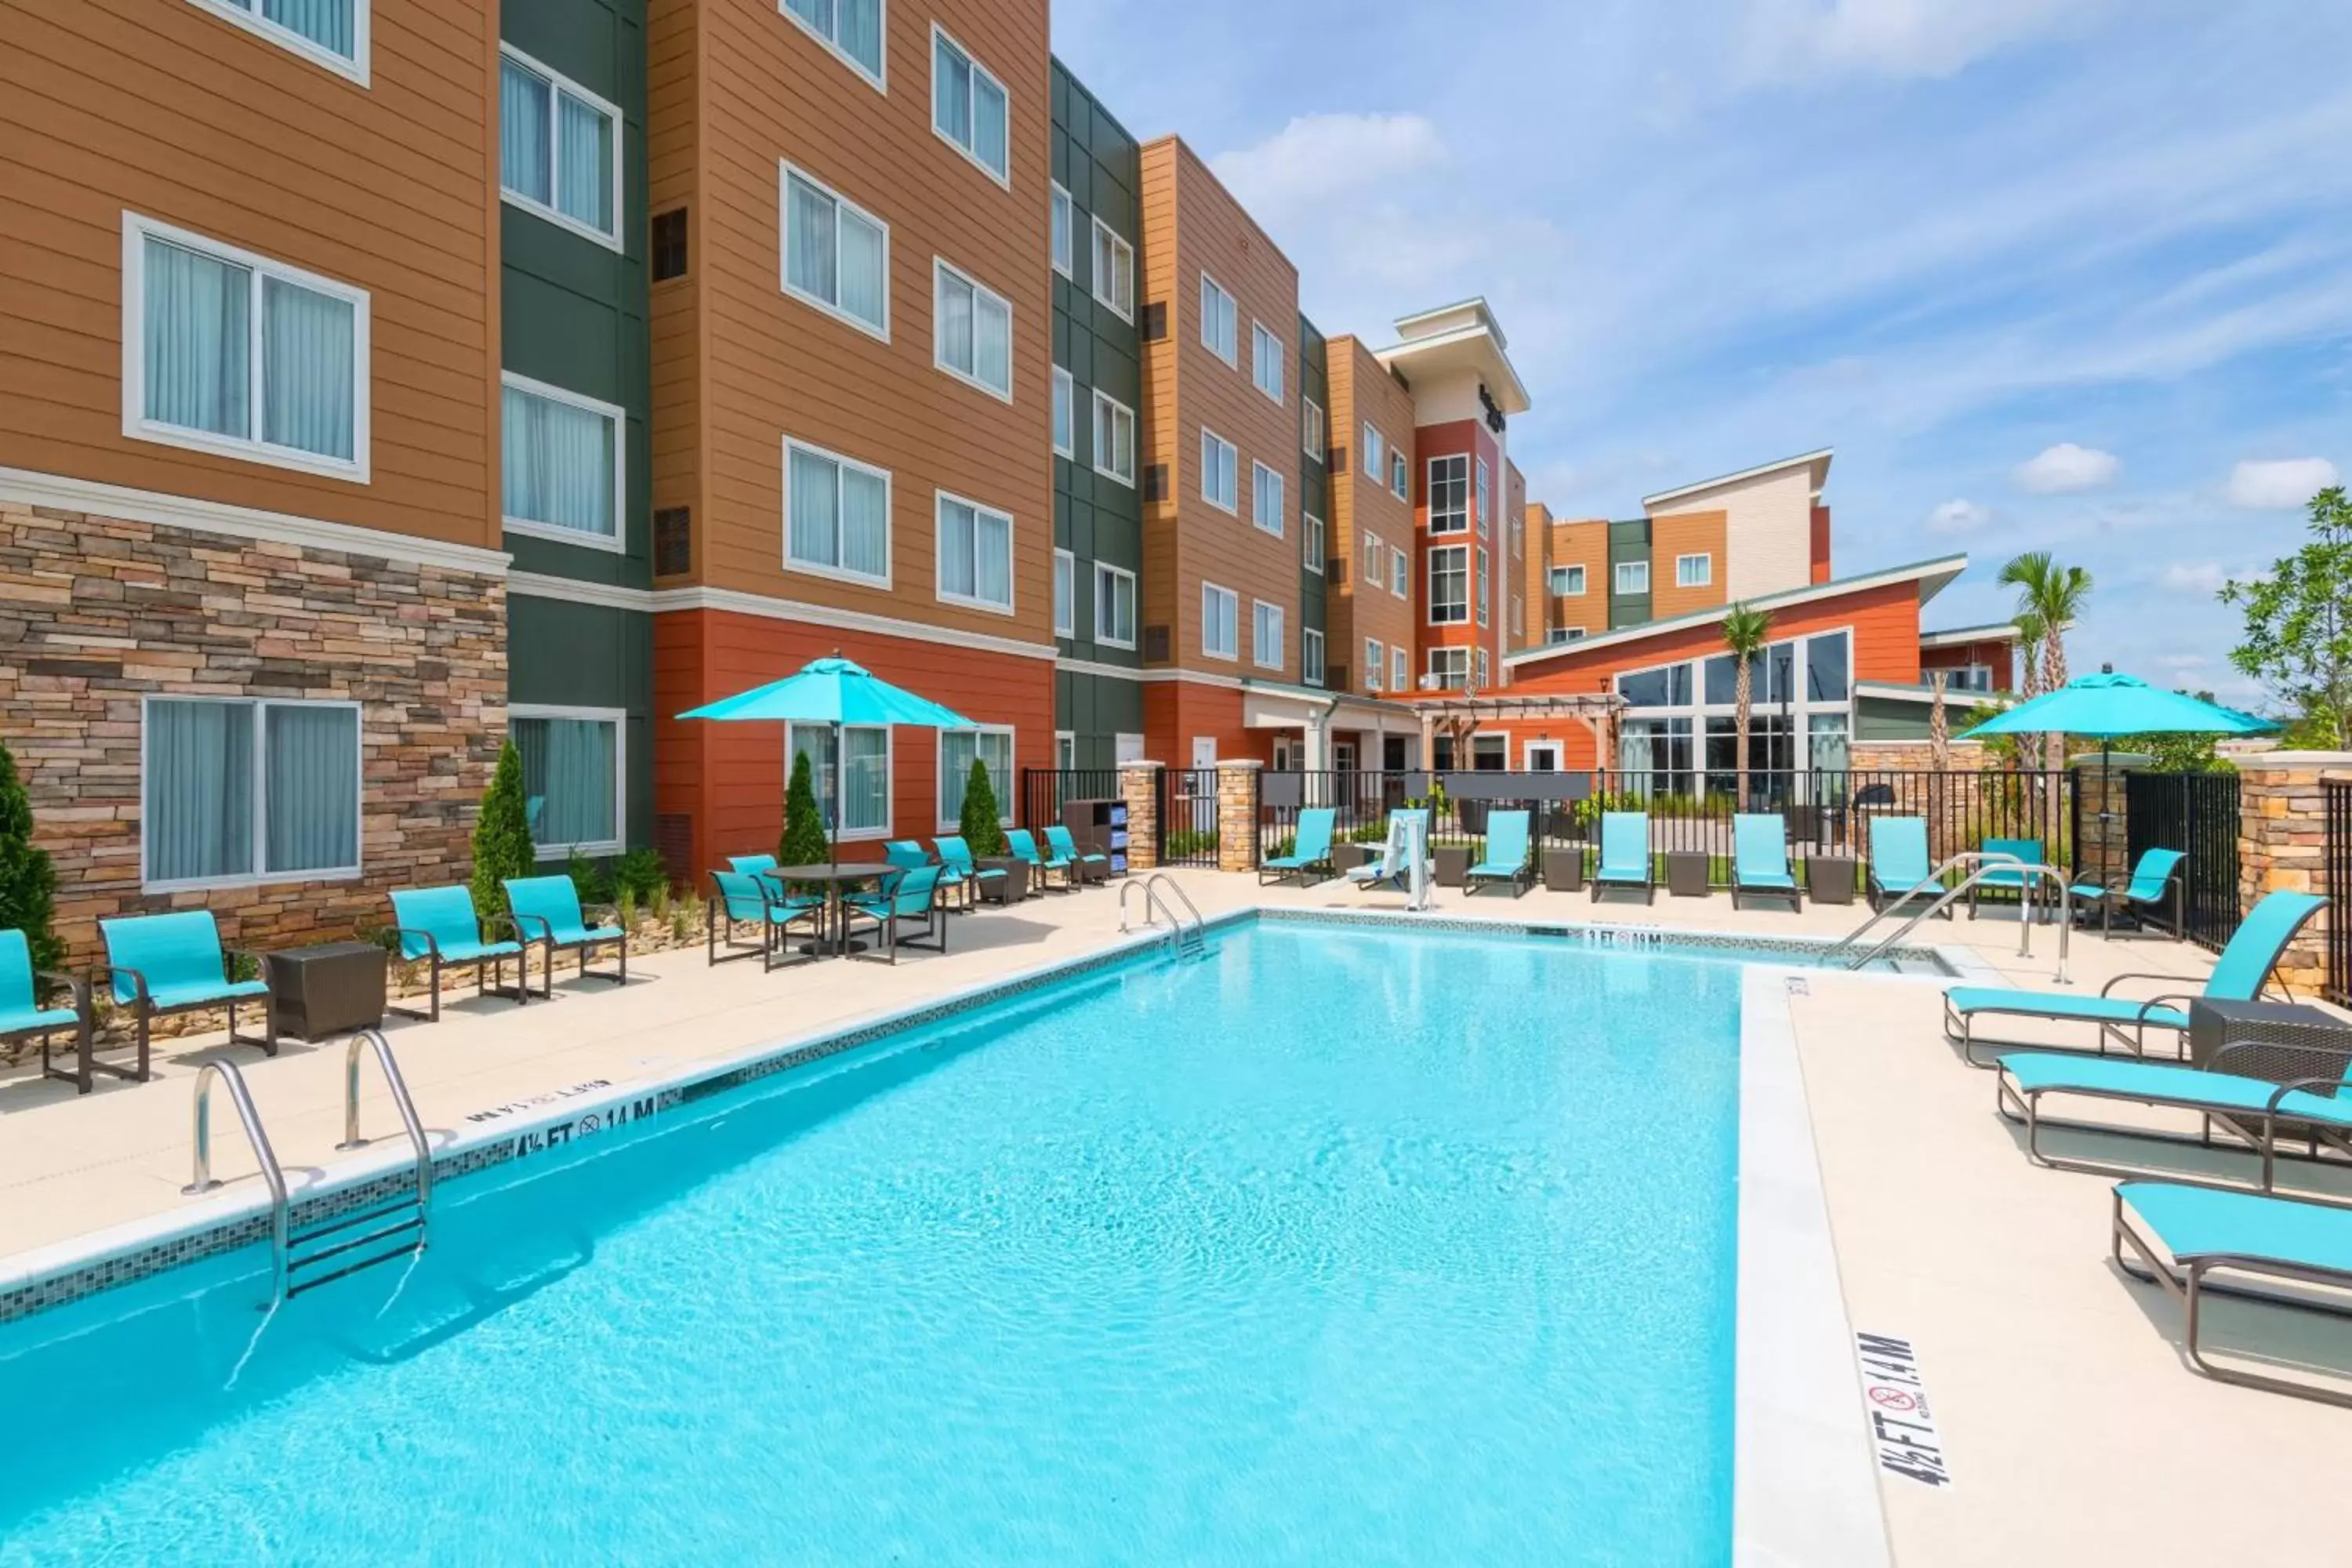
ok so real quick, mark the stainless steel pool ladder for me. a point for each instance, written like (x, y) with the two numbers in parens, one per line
(201, 1178)
(1189, 941)
(1981, 865)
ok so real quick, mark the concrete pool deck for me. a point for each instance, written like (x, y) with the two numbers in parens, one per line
(2070, 1426)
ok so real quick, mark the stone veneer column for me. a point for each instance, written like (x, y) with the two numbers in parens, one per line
(1139, 785)
(2103, 855)
(2282, 845)
(1237, 815)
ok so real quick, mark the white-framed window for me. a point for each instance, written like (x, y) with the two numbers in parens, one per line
(1310, 533)
(1374, 556)
(1518, 538)
(1114, 453)
(1064, 229)
(1449, 584)
(1518, 617)
(232, 353)
(853, 29)
(1267, 635)
(1484, 679)
(560, 464)
(1568, 634)
(559, 147)
(1114, 606)
(1310, 655)
(1400, 480)
(1219, 479)
(972, 336)
(990, 745)
(1217, 321)
(1449, 494)
(1482, 498)
(1066, 750)
(1567, 582)
(1113, 282)
(1065, 415)
(1633, 577)
(1065, 594)
(968, 107)
(975, 553)
(1375, 454)
(852, 777)
(836, 254)
(1265, 361)
(1376, 660)
(1694, 571)
(1266, 500)
(235, 790)
(837, 515)
(1486, 581)
(1400, 574)
(1450, 666)
(333, 33)
(1400, 677)
(1220, 611)
(1311, 428)
(574, 777)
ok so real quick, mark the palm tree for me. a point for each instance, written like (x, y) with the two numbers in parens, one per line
(2030, 633)
(2055, 594)
(1745, 629)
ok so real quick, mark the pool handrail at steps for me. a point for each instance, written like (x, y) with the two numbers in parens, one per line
(1981, 864)
(201, 1177)
(1189, 940)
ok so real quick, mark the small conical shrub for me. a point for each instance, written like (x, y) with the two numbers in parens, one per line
(28, 882)
(502, 845)
(804, 842)
(981, 829)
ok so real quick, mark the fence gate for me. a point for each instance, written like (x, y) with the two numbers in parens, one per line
(1187, 817)
(2337, 871)
(2195, 814)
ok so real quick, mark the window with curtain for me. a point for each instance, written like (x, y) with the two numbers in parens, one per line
(1114, 606)
(1065, 415)
(1400, 482)
(959, 749)
(1265, 361)
(1310, 427)
(1486, 576)
(560, 462)
(1267, 499)
(1311, 656)
(837, 255)
(1633, 577)
(1114, 453)
(1375, 664)
(1567, 582)
(1449, 584)
(1372, 559)
(207, 317)
(1310, 532)
(1694, 571)
(1483, 483)
(327, 26)
(1064, 229)
(1399, 584)
(1217, 320)
(1217, 476)
(1114, 272)
(1400, 676)
(836, 514)
(973, 336)
(1065, 595)
(248, 791)
(571, 779)
(851, 28)
(559, 148)
(967, 105)
(975, 554)
(851, 780)
(1219, 608)
(1375, 453)
(1267, 637)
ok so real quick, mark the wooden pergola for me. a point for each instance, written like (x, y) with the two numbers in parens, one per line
(1458, 717)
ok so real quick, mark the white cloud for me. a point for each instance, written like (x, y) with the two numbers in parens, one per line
(2068, 469)
(2289, 482)
(1958, 516)
(1318, 159)
(1895, 38)
(2194, 576)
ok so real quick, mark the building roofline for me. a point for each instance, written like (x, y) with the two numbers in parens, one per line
(1931, 576)
(1176, 138)
(1895, 691)
(1821, 457)
(1514, 389)
(1951, 637)
(1474, 302)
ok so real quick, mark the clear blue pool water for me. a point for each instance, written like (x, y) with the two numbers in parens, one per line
(1341, 1246)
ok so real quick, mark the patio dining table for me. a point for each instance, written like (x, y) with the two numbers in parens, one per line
(836, 879)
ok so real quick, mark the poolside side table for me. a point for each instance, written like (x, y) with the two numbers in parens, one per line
(1014, 886)
(1686, 873)
(1829, 879)
(317, 993)
(1563, 869)
(2276, 1040)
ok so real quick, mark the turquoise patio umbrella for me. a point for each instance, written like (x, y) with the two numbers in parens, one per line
(837, 691)
(2107, 705)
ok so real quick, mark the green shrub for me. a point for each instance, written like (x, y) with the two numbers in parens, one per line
(979, 825)
(804, 842)
(639, 875)
(29, 881)
(502, 847)
(590, 879)
(1186, 842)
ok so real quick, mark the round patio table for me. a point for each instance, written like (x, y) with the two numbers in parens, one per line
(835, 879)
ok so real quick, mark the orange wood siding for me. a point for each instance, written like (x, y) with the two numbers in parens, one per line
(1362, 503)
(1534, 573)
(1176, 712)
(1191, 224)
(1885, 622)
(1582, 542)
(1673, 537)
(173, 112)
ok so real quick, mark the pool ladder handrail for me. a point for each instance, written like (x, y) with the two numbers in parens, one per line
(1982, 863)
(401, 1100)
(201, 1177)
(1189, 941)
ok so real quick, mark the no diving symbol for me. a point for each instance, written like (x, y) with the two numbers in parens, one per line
(1893, 1398)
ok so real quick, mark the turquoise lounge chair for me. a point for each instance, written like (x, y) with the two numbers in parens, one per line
(1899, 871)
(2202, 1231)
(1509, 858)
(2159, 872)
(2238, 976)
(745, 897)
(1760, 858)
(1997, 878)
(1025, 848)
(22, 1015)
(439, 927)
(161, 965)
(1390, 867)
(961, 873)
(907, 896)
(1310, 849)
(1626, 854)
(547, 912)
(1092, 864)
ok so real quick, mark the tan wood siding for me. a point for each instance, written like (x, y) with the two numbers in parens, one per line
(1361, 502)
(1679, 535)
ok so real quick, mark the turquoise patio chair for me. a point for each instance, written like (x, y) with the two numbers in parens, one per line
(1995, 877)
(961, 873)
(1626, 854)
(748, 897)
(1390, 867)
(23, 1017)
(439, 927)
(2240, 974)
(547, 912)
(1760, 858)
(905, 853)
(1310, 849)
(1093, 864)
(1899, 871)
(1509, 858)
(161, 965)
(2159, 871)
(907, 896)
(1025, 848)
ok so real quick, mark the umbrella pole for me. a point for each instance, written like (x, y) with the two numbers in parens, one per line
(840, 787)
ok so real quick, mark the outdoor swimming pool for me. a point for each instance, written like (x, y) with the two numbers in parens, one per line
(1341, 1246)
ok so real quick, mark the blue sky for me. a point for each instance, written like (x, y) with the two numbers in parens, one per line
(2072, 275)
